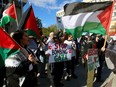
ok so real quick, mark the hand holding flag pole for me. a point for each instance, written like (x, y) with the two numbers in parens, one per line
(103, 48)
(9, 46)
(30, 57)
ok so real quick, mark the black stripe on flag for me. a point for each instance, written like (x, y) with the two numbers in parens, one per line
(83, 7)
(24, 18)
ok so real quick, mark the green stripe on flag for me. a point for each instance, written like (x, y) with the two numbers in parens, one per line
(31, 33)
(4, 54)
(6, 19)
(94, 27)
(91, 27)
(76, 32)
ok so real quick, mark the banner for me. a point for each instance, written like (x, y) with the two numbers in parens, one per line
(58, 53)
(93, 61)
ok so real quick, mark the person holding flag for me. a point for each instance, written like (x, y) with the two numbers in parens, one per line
(110, 59)
(20, 70)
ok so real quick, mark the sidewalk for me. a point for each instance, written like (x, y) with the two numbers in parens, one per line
(79, 82)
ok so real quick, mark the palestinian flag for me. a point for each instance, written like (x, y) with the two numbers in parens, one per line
(9, 15)
(7, 46)
(87, 17)
(28, 22)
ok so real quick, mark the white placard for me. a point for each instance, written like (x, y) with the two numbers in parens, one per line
(58, 53)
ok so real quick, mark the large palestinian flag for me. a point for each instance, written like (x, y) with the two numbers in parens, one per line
(7, 46)
(9, 15)
(28, 22)
(87, 17)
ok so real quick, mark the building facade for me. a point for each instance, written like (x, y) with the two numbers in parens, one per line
(60, 13)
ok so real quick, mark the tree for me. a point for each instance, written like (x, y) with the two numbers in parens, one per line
(52, 28)
(39, 24)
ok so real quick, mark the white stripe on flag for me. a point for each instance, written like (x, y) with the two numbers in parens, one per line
(72, 21)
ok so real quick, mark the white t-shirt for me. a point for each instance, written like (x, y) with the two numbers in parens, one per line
(69, 46)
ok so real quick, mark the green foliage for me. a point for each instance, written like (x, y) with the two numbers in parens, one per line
(45, 31)
(52, 28)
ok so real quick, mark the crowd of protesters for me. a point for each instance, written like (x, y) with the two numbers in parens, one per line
(22, 71)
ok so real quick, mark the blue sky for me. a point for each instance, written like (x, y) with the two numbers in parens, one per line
(46, 9)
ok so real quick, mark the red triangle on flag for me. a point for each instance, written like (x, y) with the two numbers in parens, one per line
(106, 16)
(11, 11)
(7, 42)
(28, 22)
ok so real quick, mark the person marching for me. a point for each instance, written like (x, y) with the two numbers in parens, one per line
(70, 65)
(20, 70)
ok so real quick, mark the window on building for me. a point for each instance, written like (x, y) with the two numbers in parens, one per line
(114, 14)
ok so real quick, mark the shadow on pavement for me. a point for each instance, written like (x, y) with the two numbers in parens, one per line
(79, 82)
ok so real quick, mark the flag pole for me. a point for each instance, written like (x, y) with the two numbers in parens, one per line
(16, 14)
(21, 6)
(105, 40)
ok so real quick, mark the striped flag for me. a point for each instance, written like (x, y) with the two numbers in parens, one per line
(9, 15)
(7, 47)
(28, 23)
(87, 17)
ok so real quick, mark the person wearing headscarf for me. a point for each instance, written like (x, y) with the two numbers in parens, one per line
(20, 70)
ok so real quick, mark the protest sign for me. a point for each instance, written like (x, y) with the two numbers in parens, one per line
(58, 53)
(93, 61)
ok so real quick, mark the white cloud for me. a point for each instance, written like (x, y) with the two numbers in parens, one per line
(43, 3)
(50, 4)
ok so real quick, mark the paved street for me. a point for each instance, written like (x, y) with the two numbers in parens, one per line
(79, 82)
